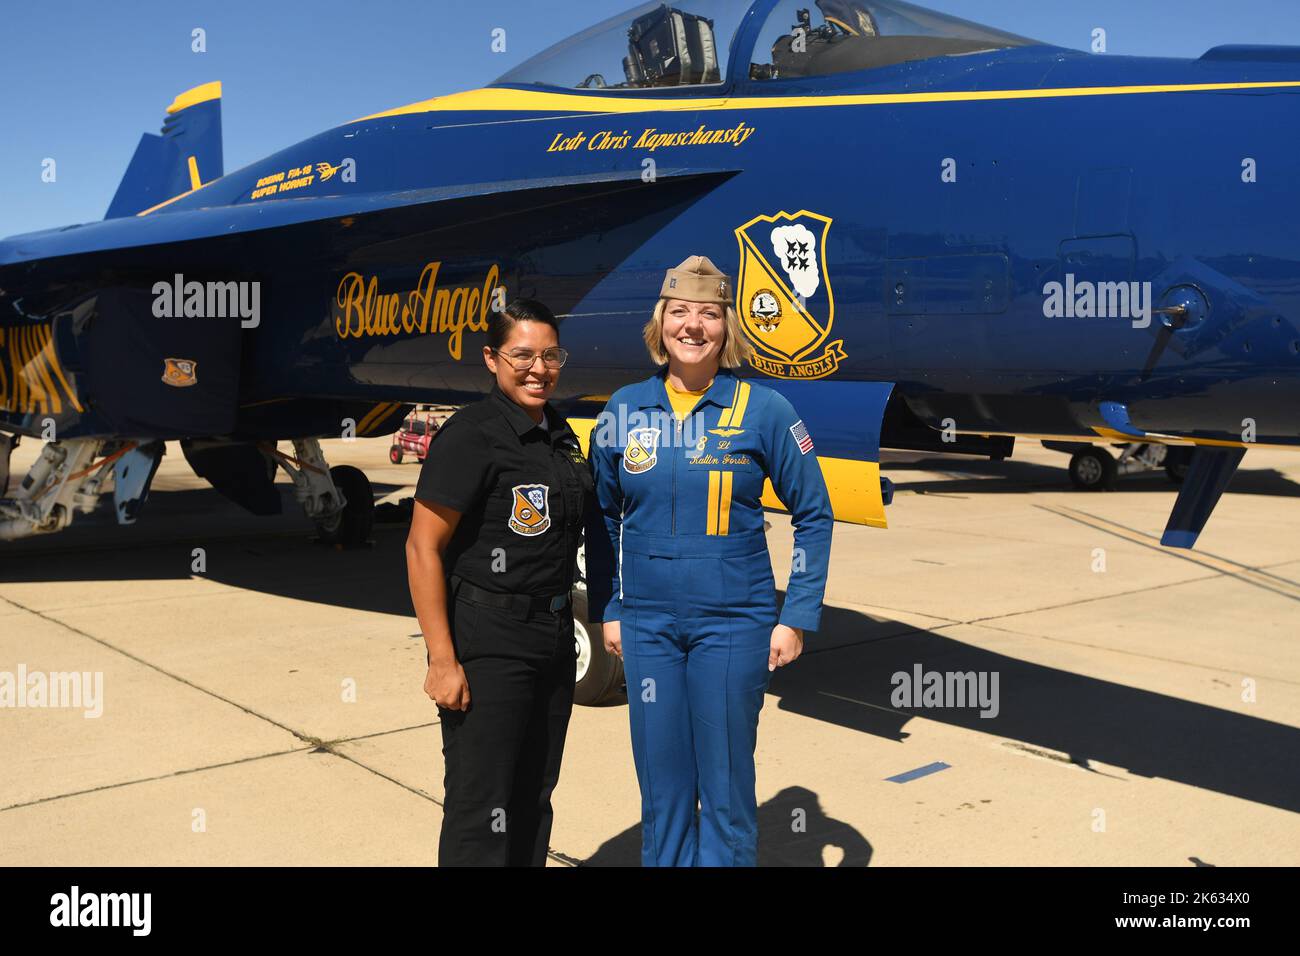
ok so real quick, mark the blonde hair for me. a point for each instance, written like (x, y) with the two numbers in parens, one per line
(735, 347)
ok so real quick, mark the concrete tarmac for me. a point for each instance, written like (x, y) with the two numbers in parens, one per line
(268, 709)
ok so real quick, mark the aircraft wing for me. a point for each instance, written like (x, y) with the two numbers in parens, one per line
(477, 201)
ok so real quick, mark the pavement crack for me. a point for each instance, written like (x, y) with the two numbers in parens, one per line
(1128, 653)
(156, 777)
(329, 748)
(1090, 600)
(1284, 587)
(304, 737)
(380, 733)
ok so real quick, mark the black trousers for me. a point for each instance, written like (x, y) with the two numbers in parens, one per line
(502, 755)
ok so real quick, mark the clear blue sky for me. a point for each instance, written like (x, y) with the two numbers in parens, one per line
(81, 80)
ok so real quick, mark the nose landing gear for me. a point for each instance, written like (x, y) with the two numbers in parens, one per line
(338, 500)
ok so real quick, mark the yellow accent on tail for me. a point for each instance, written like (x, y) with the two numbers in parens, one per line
(199, 94)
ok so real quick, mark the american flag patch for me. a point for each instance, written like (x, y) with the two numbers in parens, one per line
(801, 436)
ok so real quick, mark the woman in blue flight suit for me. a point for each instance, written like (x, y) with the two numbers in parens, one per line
(680, 574)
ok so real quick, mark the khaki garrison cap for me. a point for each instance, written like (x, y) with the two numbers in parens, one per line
(696, 280)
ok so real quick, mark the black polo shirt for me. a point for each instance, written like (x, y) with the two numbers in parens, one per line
(521, 491)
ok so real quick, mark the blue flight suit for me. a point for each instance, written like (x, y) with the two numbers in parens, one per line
(678, 554)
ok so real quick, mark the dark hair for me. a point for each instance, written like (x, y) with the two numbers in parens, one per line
(520, 310)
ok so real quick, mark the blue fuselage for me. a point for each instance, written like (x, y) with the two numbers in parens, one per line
(958, 191)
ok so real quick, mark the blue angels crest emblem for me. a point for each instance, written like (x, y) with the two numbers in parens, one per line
(530, 512)
(784, 295)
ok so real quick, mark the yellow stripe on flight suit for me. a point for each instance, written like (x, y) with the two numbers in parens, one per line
(719, 504)
(711, 521)
(724, 504)
(719, 514)
(731, 415)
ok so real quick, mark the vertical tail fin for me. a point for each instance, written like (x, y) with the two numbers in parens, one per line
(186, 155)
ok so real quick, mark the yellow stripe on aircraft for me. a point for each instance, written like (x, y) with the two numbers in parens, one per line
(533, 101)
(168, 202)
(195, 96)
(375, 415)
(53, 360)
(30, 374)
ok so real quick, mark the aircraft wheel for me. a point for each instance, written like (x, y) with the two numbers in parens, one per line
(395, 454)
(599, 675)
(358, 518)
(1093, 469)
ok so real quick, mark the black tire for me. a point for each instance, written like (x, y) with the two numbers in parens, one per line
(1093, 469)
(358, 517)
(599, 677)
(395, 454)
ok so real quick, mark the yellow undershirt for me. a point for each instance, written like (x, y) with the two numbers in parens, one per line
(683, 401)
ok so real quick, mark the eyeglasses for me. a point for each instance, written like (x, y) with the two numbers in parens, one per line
(523, 360)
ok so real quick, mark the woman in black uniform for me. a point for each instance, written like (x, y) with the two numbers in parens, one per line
(491, 558)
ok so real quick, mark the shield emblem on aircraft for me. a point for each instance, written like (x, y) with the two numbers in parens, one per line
(642, 450)
(531, 510)
(784, 295)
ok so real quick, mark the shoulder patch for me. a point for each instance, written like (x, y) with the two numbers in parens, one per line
(801, 437)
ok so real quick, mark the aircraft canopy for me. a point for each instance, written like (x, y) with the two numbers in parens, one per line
(689, 43)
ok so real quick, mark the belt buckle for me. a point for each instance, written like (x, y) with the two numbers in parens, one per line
(558, 603)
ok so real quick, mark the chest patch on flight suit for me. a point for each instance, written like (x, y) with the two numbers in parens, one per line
(531, 510)
(642, 450)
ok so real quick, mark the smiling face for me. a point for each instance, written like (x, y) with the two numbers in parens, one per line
(530, 387)
(694, 334)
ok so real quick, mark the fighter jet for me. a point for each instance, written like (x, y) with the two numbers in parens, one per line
(943, 236)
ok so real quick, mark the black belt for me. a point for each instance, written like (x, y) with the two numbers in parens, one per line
(519, 605)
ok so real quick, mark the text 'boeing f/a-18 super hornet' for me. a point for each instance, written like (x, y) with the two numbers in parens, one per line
(943, 236)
